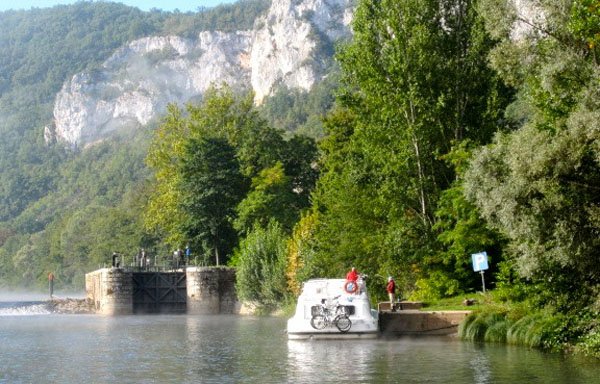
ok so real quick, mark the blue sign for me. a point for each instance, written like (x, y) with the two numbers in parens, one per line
(480, 261)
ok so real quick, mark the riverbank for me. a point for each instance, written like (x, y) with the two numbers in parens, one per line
(526, 323)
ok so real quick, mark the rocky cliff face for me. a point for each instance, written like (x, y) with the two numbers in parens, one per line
(135, 85)
(529, 19)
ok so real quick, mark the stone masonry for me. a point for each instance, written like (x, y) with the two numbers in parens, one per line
(111, 291)
(209, 290)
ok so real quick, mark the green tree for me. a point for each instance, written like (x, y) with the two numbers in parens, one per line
(211, 186)
(261, 265)
(221, 114)
(299, 159)
(300, 252)
(162, 212)
(271, 198)
(282, 190)
(461, 229)
(415, 82)
(539, 185)
(282, 172)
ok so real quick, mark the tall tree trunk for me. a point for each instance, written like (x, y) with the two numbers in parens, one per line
(411, 118)
(421, 174)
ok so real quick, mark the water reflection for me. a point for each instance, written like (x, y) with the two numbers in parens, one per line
(231, 349)
(480, 365)
(311, 361)
(430, 360)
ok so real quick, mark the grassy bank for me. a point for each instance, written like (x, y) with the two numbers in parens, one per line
(523, 323)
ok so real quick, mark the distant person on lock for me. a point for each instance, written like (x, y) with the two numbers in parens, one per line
(143, 258)
(391, 291)
(115, 260)
(188, 253)
(180, 256)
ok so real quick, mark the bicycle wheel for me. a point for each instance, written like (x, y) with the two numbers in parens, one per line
(318, 322)
(341, 310)
(343, 323)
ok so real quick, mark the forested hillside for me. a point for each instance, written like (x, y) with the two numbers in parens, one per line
(47, 189)
(41, 48)
(66, 211)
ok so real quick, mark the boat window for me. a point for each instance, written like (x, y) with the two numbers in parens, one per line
(316, 310)
(350, 310)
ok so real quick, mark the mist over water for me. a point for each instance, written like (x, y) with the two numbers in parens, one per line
(24, 296)
(23, 303)
(29, 308)
(16, 303)
(55, 348)
(8, 296)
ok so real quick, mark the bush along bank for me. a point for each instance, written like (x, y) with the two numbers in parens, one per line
(544, 328)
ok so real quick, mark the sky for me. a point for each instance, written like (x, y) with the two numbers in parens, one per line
(144, 5)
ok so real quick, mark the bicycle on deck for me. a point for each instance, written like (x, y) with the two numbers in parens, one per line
(328, 314)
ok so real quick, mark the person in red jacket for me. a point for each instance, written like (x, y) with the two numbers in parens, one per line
(391, 291)
(352, 275)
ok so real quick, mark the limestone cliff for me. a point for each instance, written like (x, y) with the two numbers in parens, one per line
(137, 82)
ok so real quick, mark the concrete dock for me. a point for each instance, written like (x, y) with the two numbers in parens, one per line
(407, 319)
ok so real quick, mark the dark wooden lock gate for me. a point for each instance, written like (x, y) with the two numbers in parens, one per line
(159, 292)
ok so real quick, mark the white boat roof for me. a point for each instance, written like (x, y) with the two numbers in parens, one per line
(325, 288)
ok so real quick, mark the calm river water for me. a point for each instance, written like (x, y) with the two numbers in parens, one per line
(38, 347)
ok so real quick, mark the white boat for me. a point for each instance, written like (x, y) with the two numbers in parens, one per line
(324, 308)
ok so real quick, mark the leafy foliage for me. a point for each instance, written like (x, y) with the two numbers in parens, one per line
(302, 112)
(211, 185)
(203, 162)
(261, 264)
(75, 228)
(270, 198)
(585, 25)
(300, 253)
(539, 185)
(415, 83)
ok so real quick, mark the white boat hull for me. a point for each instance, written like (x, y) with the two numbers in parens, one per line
(333, 335)
(314, 293)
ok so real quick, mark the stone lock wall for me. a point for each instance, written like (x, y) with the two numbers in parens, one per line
(211, 290)
(111, 291)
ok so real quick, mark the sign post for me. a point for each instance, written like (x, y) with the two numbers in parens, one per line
(480, 264)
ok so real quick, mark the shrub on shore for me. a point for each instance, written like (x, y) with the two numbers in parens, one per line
(538, 328)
